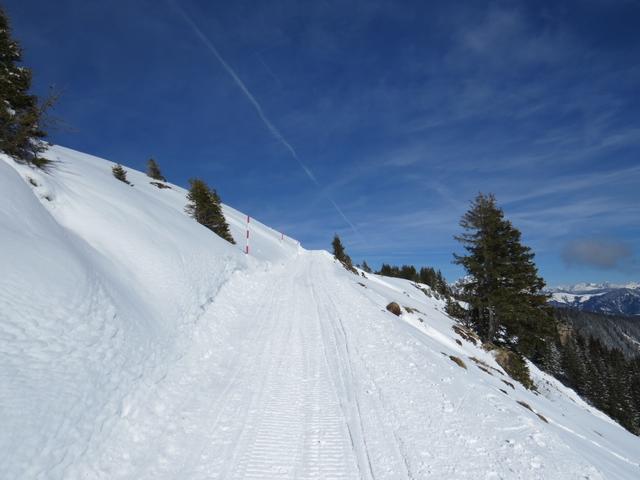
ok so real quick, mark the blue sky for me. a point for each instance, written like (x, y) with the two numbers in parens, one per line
(377, 120)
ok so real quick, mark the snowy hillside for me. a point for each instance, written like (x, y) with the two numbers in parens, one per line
(135, 344)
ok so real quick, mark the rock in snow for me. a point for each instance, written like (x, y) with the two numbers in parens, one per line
(135, 344)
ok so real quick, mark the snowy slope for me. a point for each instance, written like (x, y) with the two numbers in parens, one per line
(136, 344)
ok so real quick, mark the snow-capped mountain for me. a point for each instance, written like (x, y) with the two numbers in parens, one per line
(589, 286)
(615, 299)
(136, 344)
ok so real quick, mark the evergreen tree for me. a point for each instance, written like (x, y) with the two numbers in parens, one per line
(602, 376)
(387, 270)
(204, 205)
(20, 113)
(120, 173)
(341, 255)
(365, 266)
(153, 170)
(505, 291)
(441, 285)
(409, 272)
(453, 309)
(427, 276)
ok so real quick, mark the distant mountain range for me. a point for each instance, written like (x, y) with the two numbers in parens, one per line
(609, 298)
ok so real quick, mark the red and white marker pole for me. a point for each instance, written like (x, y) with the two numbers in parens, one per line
(246, 250)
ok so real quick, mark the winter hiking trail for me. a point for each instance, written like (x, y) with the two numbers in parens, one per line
(290, 376)
(276, 411)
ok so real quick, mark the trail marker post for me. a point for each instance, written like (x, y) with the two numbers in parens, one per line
(246, 250)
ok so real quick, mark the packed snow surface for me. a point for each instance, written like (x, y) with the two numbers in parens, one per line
(136, 344)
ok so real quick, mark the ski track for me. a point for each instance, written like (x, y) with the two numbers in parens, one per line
(308, 386)
(279, 412)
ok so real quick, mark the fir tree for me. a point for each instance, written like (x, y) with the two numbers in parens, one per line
(441, 285)
(20, 113)
(341, 255)
(120, 173)
(603, 377)
(205, 207)
(453, 309)
(408, 272)
(428, 276)
(366, 267)
(505, 293)
(153, 171)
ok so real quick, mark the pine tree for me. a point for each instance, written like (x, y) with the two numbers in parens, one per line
(120, 173)
(153, 170)
(205, 207)
(341, 255)
(20, 113)
(366, 267)
(428, 276)
(505, 291)
(603, 377)
(453, 309)
(408, 272)
(441, 284)
(387, 270)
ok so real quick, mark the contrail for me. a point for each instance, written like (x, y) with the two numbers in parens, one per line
(256, 105)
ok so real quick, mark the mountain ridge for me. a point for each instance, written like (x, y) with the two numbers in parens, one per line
(608, 298)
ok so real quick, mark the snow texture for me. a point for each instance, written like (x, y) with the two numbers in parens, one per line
(136, 344)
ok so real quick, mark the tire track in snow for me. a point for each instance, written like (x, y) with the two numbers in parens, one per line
(258, 344)
(390, 460)
(295, 429)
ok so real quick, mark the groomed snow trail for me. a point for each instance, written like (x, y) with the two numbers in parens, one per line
(257, 397)
(290, 377)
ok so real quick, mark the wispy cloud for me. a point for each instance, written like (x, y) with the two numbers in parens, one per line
(258, 107)
(603, 254)
(503, 35)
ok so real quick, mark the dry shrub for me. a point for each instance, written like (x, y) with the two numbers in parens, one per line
(541, 417)
(485, 365)
(508, 383)
(515, 366)
(525, 405)
(466, 334)
(458, 361)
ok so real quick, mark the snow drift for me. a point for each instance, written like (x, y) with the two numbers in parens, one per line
(134, 343)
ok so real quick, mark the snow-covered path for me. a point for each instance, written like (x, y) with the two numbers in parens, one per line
(277, 411)
(291, 377)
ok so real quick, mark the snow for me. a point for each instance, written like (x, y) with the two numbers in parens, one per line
(135, 344)
(586, 287)
(572, 298)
